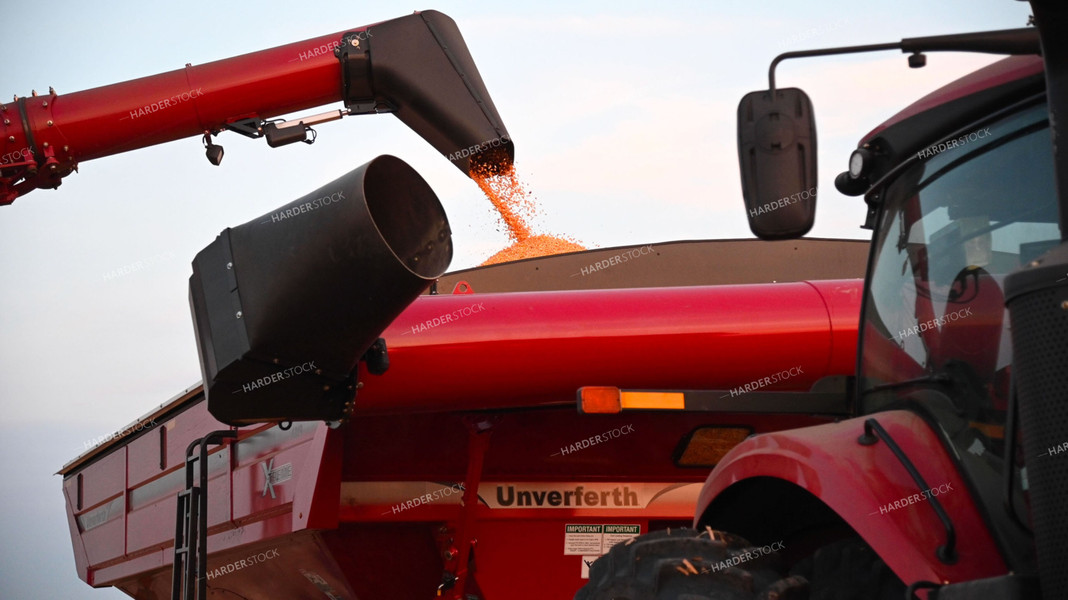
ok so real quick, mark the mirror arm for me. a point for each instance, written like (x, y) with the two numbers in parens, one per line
(825, 52)
(1006, 41)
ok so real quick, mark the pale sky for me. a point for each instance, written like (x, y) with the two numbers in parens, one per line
(622, 114)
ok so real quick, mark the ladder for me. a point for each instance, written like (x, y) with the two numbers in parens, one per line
(189, 580)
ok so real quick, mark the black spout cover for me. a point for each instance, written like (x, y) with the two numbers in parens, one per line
(419, 68)
(285, 305)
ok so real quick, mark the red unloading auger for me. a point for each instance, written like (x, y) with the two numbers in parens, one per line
(416, 67)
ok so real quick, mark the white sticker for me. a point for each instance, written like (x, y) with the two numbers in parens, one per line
(587, 562)
(583, 539)
(615, 534)
(273, 476)
(594, 540)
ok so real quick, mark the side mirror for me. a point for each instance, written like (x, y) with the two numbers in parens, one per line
(777, 156)
(286, 305)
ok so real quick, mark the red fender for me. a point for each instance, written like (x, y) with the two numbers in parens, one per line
(862, 483)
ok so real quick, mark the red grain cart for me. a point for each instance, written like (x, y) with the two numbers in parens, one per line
(466, 467)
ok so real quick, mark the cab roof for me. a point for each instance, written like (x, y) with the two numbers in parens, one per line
(1009, 70)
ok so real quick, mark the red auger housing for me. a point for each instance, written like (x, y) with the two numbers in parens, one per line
(417, 67)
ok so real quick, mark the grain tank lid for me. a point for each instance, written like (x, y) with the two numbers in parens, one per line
(175, 403)
(1007, 70)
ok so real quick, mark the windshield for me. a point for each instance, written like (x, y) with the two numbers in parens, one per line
(935, 334)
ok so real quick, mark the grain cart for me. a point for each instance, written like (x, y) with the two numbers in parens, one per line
(459, 469)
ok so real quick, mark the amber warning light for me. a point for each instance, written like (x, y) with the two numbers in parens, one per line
(611, 400)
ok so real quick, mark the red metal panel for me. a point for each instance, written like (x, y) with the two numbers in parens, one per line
(104, 479)
(102, 521)
(999, 73)
(523, 351)
(293, 567)
(169, 106)
(387, 561)
(81, 560)
(68, 128)
(150, 518)
(527, 445)
(190, 424)
(858, 482)
(843, 300)
(515, 546)
(152, 490)
(495, 350)
(185, 102)
(283, 454)
(104, 543)
(532, 550)
(316, 502)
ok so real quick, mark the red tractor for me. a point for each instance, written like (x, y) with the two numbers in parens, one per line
(949, 477)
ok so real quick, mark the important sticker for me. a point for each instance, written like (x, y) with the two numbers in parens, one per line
(591, 541)
(614, 534)
(582, 540)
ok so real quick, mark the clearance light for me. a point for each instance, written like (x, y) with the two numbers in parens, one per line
(612, 400)
(706, 446)
(600, 400)
(654, 400)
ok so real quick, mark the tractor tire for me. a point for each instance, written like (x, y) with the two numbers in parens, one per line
(684, 564)
(848, 570)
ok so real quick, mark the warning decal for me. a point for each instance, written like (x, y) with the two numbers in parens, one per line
(583, 539)
(589, 542)
(614, 534)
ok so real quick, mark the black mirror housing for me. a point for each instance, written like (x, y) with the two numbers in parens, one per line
(777, 156)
